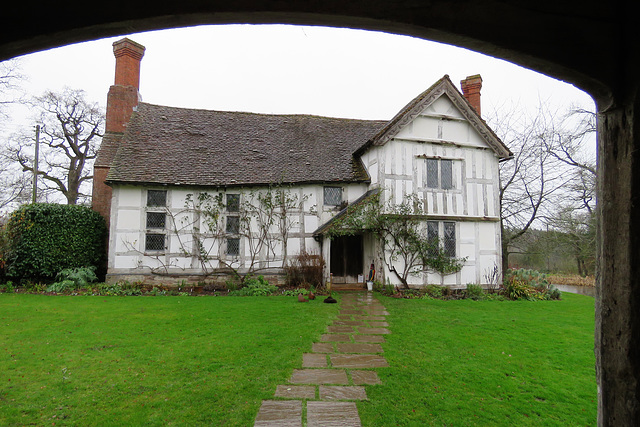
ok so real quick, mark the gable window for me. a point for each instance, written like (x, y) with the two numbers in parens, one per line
(444, 233)
(156, 221)
(440, 174)
(332, 196)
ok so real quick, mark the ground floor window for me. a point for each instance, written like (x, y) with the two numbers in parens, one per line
(443, 232)
(233, 246)
(154, 242)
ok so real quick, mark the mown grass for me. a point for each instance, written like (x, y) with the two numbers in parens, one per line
(498, 363)
(149, 360)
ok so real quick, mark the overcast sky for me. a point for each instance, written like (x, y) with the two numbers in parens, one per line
(289, 69)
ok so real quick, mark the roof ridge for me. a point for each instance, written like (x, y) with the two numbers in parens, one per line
(205, 110)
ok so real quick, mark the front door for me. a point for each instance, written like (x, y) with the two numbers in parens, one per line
(346, 259)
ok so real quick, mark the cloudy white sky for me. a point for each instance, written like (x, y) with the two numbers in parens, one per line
(289, 69)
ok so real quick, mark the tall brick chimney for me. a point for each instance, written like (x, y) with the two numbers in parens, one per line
(123, 95)
(471, 90)
(122, 98)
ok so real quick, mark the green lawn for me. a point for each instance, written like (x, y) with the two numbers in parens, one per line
(511, 363)
(149, 360)
(211, 360)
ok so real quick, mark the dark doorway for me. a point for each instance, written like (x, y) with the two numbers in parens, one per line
(346, 258)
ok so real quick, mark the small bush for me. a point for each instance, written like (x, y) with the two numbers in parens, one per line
(474, 292)
(529, 285)
(434, 291)
(43, 239)
(255, 287)
(119, 289)
(295, 292)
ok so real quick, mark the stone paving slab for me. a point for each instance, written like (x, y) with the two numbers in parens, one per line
(369, 338)
(339, 329)
(370, 318)
(358, 361)
(322, 347)
(359, 348)
(314, 360)
(373, 331)
(349, 323)
(351, 311)
(379, 312)
(378, 324)
(296, 391)
(286, 413)
(332, 414)
(335, 338)
(365, 377)
(336, 392)
(319, 376)
(344, 317)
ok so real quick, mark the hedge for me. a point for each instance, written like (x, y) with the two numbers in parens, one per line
(45, 238)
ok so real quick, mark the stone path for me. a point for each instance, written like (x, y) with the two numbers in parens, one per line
(334, 374)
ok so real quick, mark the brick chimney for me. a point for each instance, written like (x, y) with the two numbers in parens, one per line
(471, 90)
(122, 98)
(124, 94)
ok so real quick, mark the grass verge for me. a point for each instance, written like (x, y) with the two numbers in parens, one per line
(149, 360)
(461, 363)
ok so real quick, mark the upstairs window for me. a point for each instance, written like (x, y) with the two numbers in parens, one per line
(156, 198)
(233, 203)
(332, 196)
(440, 174)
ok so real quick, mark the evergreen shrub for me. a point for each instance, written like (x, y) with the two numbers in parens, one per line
(44, 239)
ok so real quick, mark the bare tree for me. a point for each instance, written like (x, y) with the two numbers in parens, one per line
(10, 78)
(530, 182)
(575, 215)
(13, 185)
(69, 138)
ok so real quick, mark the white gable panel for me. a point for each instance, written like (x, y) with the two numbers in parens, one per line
(444, 106)
(455, 131)
(423, 127)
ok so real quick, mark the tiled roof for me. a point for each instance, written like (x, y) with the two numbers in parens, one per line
(177, 146)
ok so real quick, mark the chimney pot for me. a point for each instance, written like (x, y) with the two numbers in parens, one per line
(471, 90)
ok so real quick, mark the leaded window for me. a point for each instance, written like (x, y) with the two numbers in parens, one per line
(154, 242)
(233, 203)
(156, 219)
(332, 196)
(440, 173)
(449, 241)
(442, 235)
(233, 225)
(233, 246)
(156, 198)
